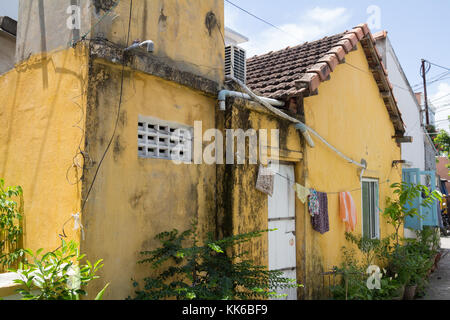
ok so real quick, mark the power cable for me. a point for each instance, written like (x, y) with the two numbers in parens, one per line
(370, 74)
(262, 20)
(432, 101)
(431, 82)
(337, 192)
(436, 65)
(63, 234)
(83, 37)
(118, 112)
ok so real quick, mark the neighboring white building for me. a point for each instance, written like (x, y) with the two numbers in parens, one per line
(234, 38)
(8, 31)
(421, 153)
(413, 153)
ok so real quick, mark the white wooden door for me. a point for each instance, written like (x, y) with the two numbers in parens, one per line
(282, 253)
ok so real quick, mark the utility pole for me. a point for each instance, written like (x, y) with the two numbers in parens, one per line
(425, 93)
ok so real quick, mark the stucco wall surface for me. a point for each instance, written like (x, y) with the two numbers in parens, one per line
(350, 114)
(41, 121)
(133, 199)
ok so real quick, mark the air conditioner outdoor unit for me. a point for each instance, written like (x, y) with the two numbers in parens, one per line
(235, 62)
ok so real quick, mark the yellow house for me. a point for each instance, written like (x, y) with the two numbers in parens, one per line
(339, 89)
(88, 114)
(78, 113)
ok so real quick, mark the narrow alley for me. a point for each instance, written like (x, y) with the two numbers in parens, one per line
(439, 285)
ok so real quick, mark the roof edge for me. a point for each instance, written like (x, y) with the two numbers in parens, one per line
(9, 25)
(322, 70)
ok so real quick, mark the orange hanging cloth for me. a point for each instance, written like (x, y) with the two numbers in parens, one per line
(347, 211)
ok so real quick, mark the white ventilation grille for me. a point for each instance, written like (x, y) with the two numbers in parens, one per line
(164, 140)
(235, 62)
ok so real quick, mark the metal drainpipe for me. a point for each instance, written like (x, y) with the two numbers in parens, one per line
(224, 94)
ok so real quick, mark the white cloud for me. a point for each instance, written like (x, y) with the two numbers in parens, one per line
(441, 100)
(326, 15)
(312, 25)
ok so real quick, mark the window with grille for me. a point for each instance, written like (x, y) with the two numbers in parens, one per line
(164, 140)
(370, 209)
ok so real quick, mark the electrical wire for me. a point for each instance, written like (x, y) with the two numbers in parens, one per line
(118, 112)
(429, 83)
(370, 74)
(338, 192)
(287, 117)
(262, 20)
(83, 37)
(63, 234)
(436, 65)
(427, 67)
(440, 98)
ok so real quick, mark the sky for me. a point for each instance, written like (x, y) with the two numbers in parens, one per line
(417, 29)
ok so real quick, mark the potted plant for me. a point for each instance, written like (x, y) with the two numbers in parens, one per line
(437, 258)
(414, 278)
(410, 291)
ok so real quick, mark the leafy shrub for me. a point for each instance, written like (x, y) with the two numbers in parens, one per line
(10, 228)
(57, 275)
(353, 278)
(373, 250)
(414, 259)
(402, 207)
(207, 272)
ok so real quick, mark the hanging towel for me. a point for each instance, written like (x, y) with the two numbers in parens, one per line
(265, 180)
(320, 222)
(347, 211)
(302, 192)
(313, 203)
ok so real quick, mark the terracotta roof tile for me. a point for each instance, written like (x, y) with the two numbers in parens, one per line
(277, 72)
(289, 72)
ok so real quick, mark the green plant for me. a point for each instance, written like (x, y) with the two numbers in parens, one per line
(211, 271)
(413, 260)
(10, 228)
(442, 143)
(397, 210)
(353, 281)
(373, 250)
(57, 275)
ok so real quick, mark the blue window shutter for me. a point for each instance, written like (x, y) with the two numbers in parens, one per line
(413, 176)
(430, 217)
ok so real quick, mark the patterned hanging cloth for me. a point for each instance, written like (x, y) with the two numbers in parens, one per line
(320, 221)
(313, 203)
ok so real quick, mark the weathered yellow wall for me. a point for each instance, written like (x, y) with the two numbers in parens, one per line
(242, 208)
(178, 30)
(134, 199)
(41, 102)
(350, 114)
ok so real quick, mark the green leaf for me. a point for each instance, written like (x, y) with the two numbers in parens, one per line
(101, 293)
(215, 247)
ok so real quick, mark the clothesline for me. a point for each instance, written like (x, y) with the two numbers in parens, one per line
(354, 190)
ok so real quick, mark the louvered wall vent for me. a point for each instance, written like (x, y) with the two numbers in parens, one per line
(164, 140)
(235, 62)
